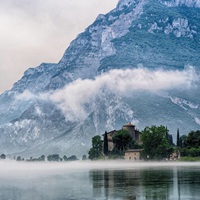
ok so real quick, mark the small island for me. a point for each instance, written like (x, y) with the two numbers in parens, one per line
(153, 143)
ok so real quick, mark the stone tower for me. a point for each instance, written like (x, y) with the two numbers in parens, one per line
(130, 128)
(134, 133)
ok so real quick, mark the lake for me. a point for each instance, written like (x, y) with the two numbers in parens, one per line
(99, 180)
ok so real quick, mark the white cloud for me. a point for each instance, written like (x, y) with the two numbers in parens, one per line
(25, 96)
(75, 97)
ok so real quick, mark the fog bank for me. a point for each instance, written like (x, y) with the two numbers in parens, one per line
(75, 97)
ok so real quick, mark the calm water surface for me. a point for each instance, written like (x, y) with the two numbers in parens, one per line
(75, 181)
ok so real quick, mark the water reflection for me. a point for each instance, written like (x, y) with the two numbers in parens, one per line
(149, 184)
(119, 184)
(67, 182)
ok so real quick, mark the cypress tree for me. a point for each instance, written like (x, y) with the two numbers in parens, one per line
(169, 137)
(105, 144)
(166, 134)
(178, 139)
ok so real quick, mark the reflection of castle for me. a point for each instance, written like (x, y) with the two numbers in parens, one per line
(131, 154)
(115, 184)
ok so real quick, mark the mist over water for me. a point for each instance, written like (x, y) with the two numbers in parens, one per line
(99, 180)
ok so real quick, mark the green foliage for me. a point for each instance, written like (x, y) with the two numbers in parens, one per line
(65, 158)
(190, 145)
(193, 139)
(96, 151)
(194, 152)
(84, 157)
(134, 145)
(3, 156)
(122, 140)
(42, 158)
(183, 152)
(53, 158)
(183, 141)
(155, 144)
(72, 158)
(190, 159)
(191, 152)
(19, 158)
(116, 153)
(169, 137)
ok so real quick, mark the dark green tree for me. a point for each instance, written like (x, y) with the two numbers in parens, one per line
(41, 158)
(169, 137)
(155, 144)
(3, 156)
(105, 144)
(84, 157)
(193, 152)
(19, 158)
(53, 158)
(178, 139)
(72, 158)
(183, 141)
(65, 158)
(96, 151)
(122, 140)
(193, 139)
(134, 145)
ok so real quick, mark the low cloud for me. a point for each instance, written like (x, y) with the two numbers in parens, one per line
(76, 98)
(73, 98)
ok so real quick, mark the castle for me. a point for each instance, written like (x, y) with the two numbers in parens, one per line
(130, 128)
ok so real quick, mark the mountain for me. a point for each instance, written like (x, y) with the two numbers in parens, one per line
(138, 63)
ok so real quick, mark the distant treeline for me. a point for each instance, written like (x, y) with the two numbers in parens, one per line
(50, 158)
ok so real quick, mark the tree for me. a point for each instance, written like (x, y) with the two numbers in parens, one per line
(65, 158)
(84, 157)
(155, 144)
(122, 140)
(169, 137)
(96, 151)
(3, 156)
(178, 139)
(19, 158)
(193, 152)
(41, 158)
(134, 145)
(105, 144)
(193, 139)
(72, 158)
(54, 158)
(183, 141)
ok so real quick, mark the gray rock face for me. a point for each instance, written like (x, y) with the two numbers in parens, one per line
(150, 33)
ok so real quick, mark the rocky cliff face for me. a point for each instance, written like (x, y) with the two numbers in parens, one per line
(57, 108)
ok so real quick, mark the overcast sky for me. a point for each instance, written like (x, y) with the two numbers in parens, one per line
(36, 31)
